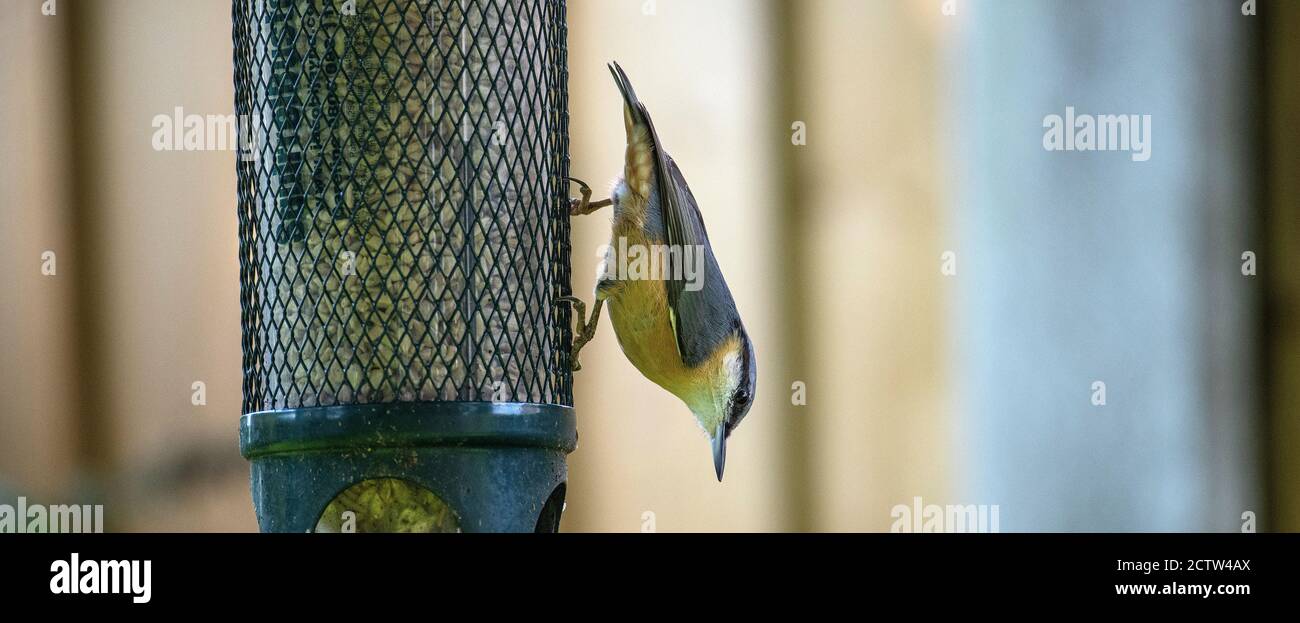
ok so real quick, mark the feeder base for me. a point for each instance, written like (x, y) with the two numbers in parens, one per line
(486, 467)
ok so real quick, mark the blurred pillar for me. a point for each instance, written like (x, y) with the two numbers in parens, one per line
(1281, 256)
(93, 426)
(1082, 267)
(791, 236)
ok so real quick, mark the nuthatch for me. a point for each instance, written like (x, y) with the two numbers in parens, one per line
(681, 331)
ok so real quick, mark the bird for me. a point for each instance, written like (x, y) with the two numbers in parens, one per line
(677, 322)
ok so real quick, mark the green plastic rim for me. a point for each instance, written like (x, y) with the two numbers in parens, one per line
(408, 425)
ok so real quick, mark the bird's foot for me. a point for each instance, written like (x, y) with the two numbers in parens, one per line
(585, 206)
(587, 328)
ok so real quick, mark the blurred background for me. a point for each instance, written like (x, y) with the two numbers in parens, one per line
(945, 292)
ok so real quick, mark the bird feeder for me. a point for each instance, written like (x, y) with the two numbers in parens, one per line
(403, 246)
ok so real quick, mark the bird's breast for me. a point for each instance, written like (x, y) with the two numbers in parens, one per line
(638, 311)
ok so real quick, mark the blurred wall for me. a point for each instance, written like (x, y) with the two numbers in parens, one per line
(867, 200)
(167, 301)
(145, 302)
(39, 395)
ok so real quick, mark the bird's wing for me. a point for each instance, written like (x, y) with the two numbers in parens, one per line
(702, 317)
(703, 312)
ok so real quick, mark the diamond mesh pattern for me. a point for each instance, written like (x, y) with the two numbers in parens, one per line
(403, 207)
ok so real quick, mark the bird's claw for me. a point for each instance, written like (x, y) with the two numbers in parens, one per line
(577, 205)
(588, 327)
(585, 206)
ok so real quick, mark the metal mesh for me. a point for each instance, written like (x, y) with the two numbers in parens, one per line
(402, 202)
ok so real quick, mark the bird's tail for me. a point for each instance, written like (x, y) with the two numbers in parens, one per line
(633, 111)
(641, 159)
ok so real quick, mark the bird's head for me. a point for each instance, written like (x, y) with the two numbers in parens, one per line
(734, 386)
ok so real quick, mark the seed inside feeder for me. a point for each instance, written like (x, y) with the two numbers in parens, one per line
(408, 158)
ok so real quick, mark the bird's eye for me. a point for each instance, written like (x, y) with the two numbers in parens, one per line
(742, 397)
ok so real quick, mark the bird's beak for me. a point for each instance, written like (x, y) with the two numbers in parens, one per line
(719, 450)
